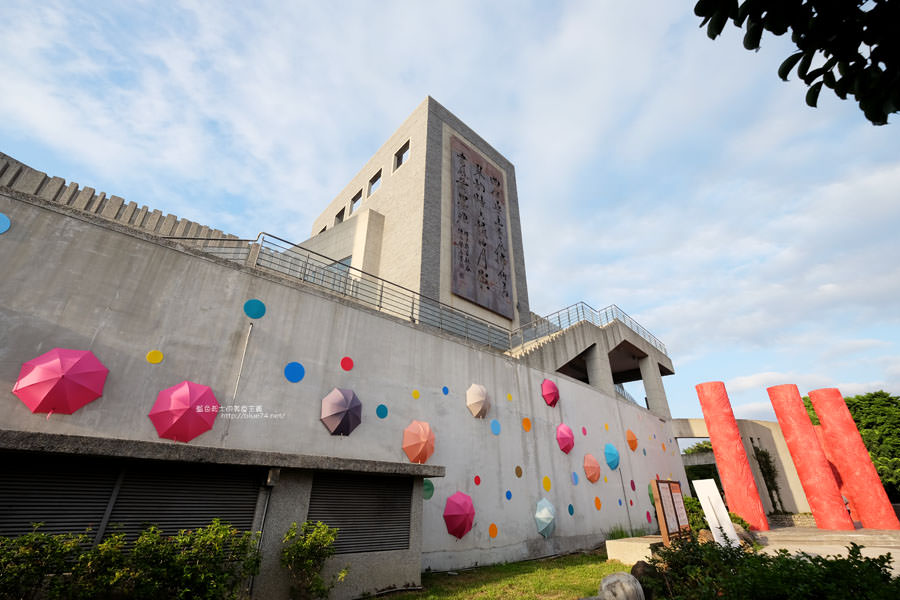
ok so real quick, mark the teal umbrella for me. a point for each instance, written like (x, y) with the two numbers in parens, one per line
(612, 456)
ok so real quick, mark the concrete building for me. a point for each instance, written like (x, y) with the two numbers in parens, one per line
(388, 301)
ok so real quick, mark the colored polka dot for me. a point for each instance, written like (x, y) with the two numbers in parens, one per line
(477, 480)
(664, 446)
(597, 504)
(526, 424)
(508, 495)
(631, 502)
(632, 485)
(571, 510)
(584, 431)
(509, 397)
(546, 483)
(4, 223)
(495, 427)
(492, 530)
(620, 502)
(346, 363)
(518, 471)
(381, 411)
(645, 451)
(574, 478)
(154, 357)
(294, 372)
(445, 390)
(415, 394)
(606, 426)
(254, 308)
(427, 489)
(649, 518)
(605, 480)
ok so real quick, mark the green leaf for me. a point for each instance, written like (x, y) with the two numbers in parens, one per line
(805, 62)
(753, 35)
(716, 24)
(788, 64)
(812, 96)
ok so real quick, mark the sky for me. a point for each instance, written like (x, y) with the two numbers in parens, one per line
(674, 176)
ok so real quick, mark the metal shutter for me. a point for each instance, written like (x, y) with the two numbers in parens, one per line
(372, 513)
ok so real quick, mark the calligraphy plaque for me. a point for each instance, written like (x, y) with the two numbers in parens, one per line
(480, 263)
(670, 512)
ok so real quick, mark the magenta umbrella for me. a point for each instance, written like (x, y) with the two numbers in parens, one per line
(459, 514)
(60, 380)
(184, 411)
(564, 437)
(550, 392)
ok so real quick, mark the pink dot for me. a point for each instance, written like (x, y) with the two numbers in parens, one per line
(632, 485)
(584, 431)
(649, 518)
(346, 363)
(477, 480)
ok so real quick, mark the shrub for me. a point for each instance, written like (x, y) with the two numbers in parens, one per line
(304, 554)
(34, 562)
(697, 519)
(691, 570)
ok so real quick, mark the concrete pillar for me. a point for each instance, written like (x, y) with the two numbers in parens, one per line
(598, 370)
(653, 387)
(852, 460)
(741, 493)
(854, 516)
(818, 483)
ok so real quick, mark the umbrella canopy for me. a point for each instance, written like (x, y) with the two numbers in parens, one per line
(459, 514)
(61, 381)
(591, 468)
(545, 517)
(418, 441)
(564, 437)
(184, 411)
(550, 392)
(477, 400)
(612, 456)
(341, 411)
(632, 440)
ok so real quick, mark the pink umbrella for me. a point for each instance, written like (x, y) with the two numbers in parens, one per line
(591, 468)
(184, 411)
(550, 392)
(418, 441)
(565, 438)
(60, 380)
(459, 514)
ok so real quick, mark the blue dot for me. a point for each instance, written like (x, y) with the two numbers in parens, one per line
(294, 372)
(495, 427)
(446, 390)
(574, 478)
(508, 495)
(4, 223)
(381, 411)
(645, 451)
(620, 502)
(571, 510)
(254, 309)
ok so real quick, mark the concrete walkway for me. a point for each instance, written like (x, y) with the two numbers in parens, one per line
(823, 542)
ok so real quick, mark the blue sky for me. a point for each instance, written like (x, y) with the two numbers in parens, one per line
(658, 170)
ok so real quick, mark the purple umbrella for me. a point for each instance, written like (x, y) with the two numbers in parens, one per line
(341, 411)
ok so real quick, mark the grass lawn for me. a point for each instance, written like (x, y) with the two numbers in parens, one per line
(573, 576)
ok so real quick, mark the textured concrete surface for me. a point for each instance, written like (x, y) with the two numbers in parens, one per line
(631, 550)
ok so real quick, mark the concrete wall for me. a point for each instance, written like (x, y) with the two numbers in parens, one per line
(77, 281)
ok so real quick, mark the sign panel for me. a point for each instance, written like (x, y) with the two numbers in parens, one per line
(716, 514)
(480, 265)
(670, 511)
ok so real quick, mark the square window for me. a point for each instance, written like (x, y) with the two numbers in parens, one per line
(374, 183)
(402, 155)
(354, 201)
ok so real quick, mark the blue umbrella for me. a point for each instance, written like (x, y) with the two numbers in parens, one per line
(545, 517)
(612, 456)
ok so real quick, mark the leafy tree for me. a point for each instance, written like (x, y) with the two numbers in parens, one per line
(855, 43)
(704, 446)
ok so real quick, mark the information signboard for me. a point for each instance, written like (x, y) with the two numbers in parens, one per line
(670, 511)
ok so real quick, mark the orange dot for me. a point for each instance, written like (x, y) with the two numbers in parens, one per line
(664, 446)
(606, 425)
(526, 424)
(597, 503)
(492, 530)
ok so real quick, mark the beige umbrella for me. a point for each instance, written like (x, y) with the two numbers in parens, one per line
(477, 400)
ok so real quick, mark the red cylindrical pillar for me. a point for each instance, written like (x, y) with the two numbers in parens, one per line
(854, 516)
(852, 460)
(815, 473)
(741, 493)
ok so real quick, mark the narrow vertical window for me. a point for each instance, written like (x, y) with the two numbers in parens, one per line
(402, 155)
(374, 183)
(354, 201)
(339, 218)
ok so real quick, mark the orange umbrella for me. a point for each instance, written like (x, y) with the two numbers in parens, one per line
(632, 440)
(591, 468)
(418, 441)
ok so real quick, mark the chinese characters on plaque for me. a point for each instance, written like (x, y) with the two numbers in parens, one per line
(480, 263)
(670, 511)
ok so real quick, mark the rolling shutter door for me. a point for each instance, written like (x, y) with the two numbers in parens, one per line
(371, 513)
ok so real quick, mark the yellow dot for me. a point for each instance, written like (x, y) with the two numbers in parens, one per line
(547, 483)
(492, 530)
(597, 503)
(509, 397)
(605, 480)
(606, 425)
(415, 394)
(154, 357)
(526, 424)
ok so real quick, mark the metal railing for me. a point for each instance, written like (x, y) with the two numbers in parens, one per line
(288, 259)
(621, 391)
(572, 315)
